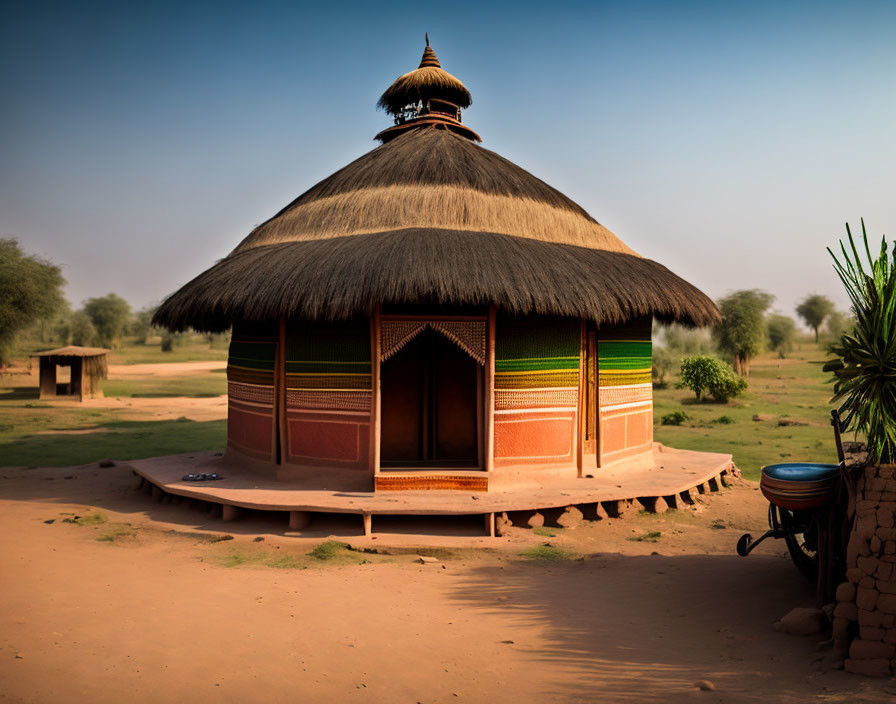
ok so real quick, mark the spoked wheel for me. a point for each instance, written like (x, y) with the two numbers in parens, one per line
(801, 535)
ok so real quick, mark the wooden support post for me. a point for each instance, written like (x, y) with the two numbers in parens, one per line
(490, 390)
(299, 519)
(230, 513)
(368, 524)
(376, 347)
(280, 394)
(581, 412)
(490, 525)
(47, 378)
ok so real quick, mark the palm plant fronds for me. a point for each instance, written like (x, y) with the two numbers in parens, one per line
(865, 364)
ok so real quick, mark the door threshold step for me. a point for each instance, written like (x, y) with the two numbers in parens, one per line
(429, 480)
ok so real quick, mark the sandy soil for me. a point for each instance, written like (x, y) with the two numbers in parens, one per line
(117, 371)
(158, 616)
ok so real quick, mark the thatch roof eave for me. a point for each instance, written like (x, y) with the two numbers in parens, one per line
(341, 277)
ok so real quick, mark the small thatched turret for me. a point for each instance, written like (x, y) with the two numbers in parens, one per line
(427, 95)
(434, 306)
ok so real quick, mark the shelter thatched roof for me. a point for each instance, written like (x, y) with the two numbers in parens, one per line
(73, 351)
(430, 216)
(93, 359)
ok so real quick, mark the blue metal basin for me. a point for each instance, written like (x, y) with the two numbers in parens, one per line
(801, 471)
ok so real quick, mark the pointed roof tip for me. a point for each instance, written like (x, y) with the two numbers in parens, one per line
(429, 56)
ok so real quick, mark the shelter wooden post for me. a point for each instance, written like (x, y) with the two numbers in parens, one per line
(490, 391)
(47, 378)
(76, 383)
(375, 354)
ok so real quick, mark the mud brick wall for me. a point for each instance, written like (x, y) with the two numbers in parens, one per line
(865, 615)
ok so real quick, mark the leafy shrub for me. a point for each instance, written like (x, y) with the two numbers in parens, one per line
(674, 418)
(865, 364)
(725, 420)
(705, 375)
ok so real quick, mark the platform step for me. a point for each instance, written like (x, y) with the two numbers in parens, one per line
(430, 482)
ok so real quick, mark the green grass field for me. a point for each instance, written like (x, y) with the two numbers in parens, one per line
(193, 349)
(784, 416)
(199, 385)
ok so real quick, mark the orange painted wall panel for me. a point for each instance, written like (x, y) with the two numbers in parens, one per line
(535, 438)
(638, 429)
(334, 440)
(250, 430)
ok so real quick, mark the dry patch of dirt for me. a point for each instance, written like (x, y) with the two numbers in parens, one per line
(106, 592)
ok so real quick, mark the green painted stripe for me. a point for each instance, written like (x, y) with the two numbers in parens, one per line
(327, 367)
(631, 363)
(260, 364)
(556, 363)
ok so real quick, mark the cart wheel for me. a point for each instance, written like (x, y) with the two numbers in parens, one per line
(801, 536)
(743, 544)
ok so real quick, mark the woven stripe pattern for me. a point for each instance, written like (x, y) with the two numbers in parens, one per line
(536, 363)
(625, 358)
(328, 365)
(252, 355)
(469, 335)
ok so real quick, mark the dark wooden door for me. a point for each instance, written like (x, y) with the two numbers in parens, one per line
(429, 405)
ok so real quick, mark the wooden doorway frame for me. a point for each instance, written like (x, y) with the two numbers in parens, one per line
(485, 408)
(589, 399)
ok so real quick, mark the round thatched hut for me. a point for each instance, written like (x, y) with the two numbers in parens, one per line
(432, 316)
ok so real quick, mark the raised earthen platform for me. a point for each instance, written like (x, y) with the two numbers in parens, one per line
(672, 478)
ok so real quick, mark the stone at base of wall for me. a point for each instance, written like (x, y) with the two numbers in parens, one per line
(865, 616)
(870, 668)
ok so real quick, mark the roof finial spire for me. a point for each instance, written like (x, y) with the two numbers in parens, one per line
(429, 56)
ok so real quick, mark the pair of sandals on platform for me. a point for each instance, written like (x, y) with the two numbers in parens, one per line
(201, 477)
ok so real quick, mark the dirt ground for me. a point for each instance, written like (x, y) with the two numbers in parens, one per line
(199, 409)
(140, 605)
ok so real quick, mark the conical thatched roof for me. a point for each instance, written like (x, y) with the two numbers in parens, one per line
(432, 217)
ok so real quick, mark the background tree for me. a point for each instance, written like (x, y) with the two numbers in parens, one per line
(81, 330)
(141, 325)
(837, 325)
(742, 333)
(30, 290)
(110, 315)
(813, 310)
(781, 334)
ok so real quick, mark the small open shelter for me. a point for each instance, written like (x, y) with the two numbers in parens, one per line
(88, 366)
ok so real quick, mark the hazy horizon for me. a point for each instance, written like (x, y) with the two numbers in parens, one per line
(140, 144)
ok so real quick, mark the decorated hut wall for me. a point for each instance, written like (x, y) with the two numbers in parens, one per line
(625, 390)
(251, 403)
(328, 393)
(536, 390)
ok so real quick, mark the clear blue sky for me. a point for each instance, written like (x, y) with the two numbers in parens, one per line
(139, 142)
